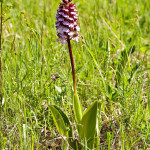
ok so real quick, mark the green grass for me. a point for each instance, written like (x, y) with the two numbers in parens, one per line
(112, 63)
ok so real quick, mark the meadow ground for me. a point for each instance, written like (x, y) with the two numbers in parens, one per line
(112, 61)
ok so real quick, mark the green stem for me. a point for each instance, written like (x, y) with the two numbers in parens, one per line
(72, 66)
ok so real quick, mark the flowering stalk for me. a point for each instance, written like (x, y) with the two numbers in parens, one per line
(67, 29)
(72, 65)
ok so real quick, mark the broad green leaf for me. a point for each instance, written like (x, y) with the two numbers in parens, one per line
(60, 119)
(65, 118)
(62, 124)
(88, 124)
(77, 108)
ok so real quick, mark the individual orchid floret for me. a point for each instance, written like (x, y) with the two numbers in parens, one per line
(67, 22)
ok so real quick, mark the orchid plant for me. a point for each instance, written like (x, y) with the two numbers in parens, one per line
(86, 122)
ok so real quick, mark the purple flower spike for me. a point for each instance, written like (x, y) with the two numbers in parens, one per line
(67, 22)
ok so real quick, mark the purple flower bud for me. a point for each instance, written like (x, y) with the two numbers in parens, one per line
(67, 22)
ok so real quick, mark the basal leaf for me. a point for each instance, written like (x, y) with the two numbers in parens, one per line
(77, 108)
(65, 118)
(60, 120)
(88, 124)
(62, 124)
